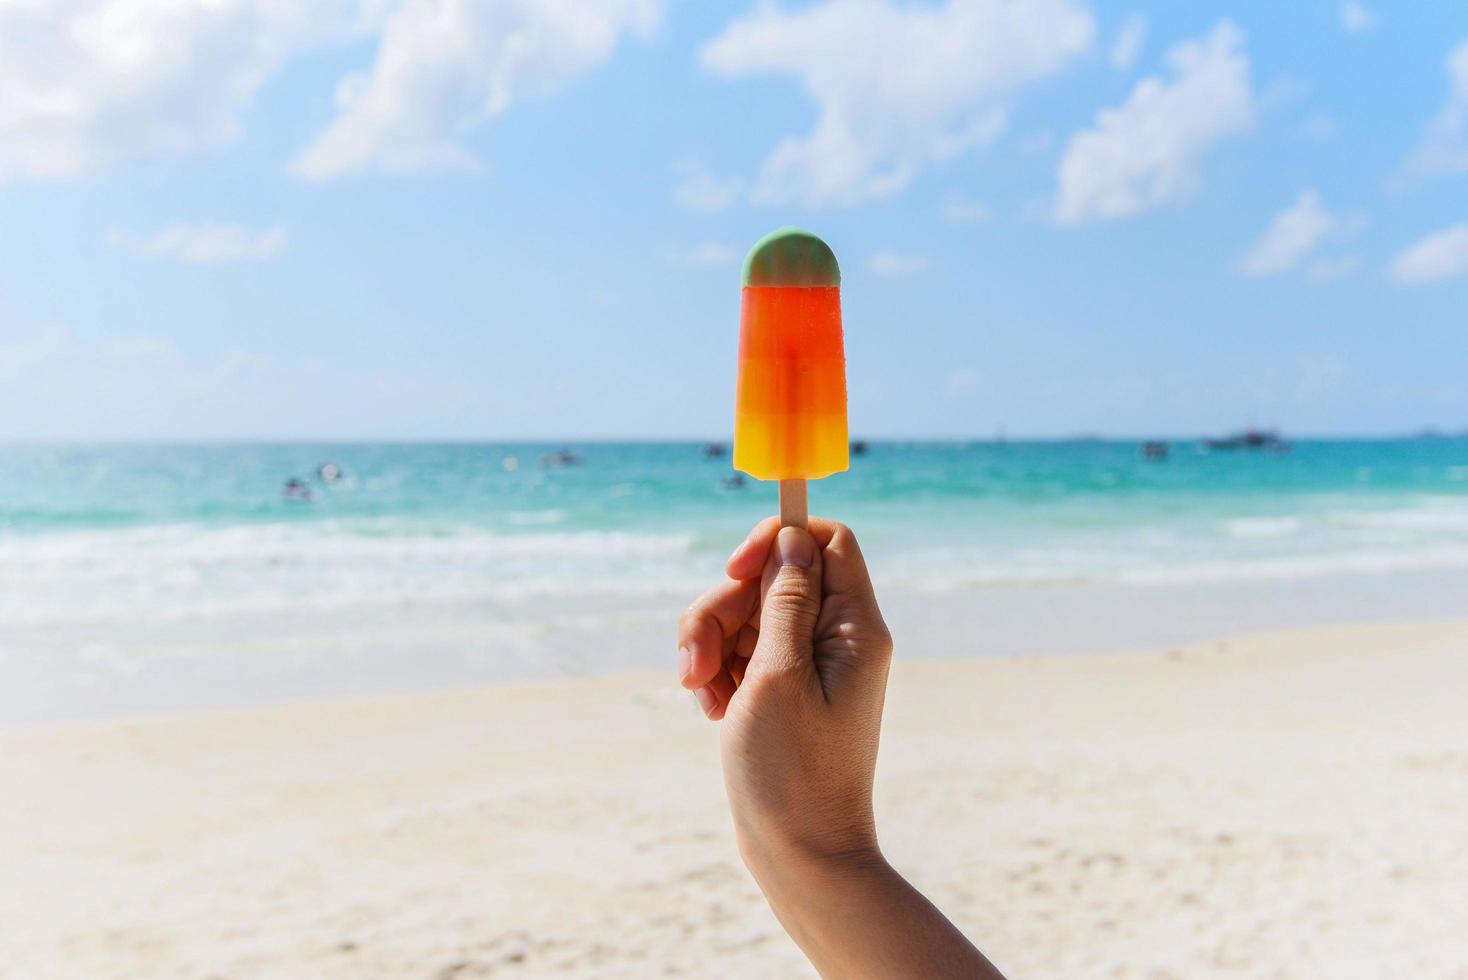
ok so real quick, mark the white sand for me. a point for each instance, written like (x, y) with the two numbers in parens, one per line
(1282, 805)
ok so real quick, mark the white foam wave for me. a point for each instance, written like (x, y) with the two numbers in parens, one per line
(126, 588)
(288, 543)
(1446, 517)
(1429, 533)
(1302, 567)
(1263, 527)
(535, 518)
(192, 574)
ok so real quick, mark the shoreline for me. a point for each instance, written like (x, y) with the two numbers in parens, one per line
(421, 655)
(1279, 801)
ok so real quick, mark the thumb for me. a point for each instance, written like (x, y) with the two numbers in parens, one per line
(790, 604)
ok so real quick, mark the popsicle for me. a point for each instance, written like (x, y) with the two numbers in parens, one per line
(790, 408)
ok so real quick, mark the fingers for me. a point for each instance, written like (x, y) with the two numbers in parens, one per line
(845, 570)
(764, 618)
(748, 560)
(848, 597)
(714, 697)
(737, 666)
(709, 629)
(790, 604)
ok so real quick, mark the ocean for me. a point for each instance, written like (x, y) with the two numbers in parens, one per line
(126, 567)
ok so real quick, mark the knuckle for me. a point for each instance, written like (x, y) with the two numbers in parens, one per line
(791, 594)
(793, 585)
(776, 683)
(882, 640)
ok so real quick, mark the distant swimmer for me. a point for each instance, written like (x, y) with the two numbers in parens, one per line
(510, 463)
(714, 450)
(859, 447)
(1155, 450)
(562, 457)
(735, 482)
(329, 472)
(296, 490)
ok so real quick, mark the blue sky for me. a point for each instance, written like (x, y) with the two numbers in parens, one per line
(517, 219)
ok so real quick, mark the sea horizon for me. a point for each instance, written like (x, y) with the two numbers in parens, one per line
(1426, 432)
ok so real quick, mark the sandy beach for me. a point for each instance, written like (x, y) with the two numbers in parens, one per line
(382, 382)
(1283, 804)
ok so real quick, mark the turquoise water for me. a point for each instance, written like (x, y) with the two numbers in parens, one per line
(479, 562)
(648, 487)
(1051, 509)
(182, 530)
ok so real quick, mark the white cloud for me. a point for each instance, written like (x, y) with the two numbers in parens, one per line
(1331, 269)
(1291, 236)
(890, 264)
(963, 211)
(1445, 147)
(899, 86)
(55, 384)
(1146, 152)
(89, 84)
(137, 349)
(207, 244)
(444, 67)
(705, 255)
(1441, 255)
(1356, 18)
(705, 192)
(21, 356)
(1128, 44)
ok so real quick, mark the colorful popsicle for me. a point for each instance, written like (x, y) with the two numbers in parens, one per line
(790, 412)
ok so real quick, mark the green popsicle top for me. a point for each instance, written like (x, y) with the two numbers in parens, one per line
(791, 257)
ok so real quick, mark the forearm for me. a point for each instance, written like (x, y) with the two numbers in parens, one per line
(855, 917)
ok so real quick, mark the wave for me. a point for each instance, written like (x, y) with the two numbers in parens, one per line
(187, 573)
(536, 518)
(1427, 533)
(1263, 527)
(1442, 517)
(992, 572)
(387, 540)
(289, 575)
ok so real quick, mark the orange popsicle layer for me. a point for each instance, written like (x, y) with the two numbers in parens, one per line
(790, 414)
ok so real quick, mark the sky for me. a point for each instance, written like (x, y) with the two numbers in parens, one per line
(523, 219)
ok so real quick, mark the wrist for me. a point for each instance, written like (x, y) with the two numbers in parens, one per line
(791, 869)
(816, 892)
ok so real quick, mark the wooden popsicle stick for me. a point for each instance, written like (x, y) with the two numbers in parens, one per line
(794, 507)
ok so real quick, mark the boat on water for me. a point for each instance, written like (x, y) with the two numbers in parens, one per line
(1266, 440)
(562, 457)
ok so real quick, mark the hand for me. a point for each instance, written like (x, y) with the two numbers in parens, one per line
(792, 653)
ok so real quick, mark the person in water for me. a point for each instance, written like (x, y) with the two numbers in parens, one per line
(296, 489)
(791, 653)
